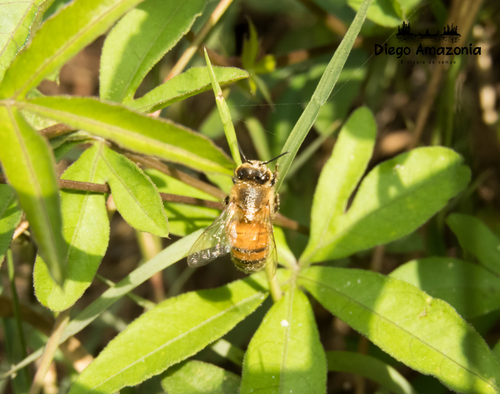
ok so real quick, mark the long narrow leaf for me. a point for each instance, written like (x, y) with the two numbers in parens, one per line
(133, 131)
(193, 81)
(85, 229)
(149, 346)
(29, 166)
(425, 333)
(135, 195)
(321, 94)
(285, 354)
(139, 40)
(59, 39)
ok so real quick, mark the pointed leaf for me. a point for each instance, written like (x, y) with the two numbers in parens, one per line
(139, 40)
(471, 289)
(149, 346)
(59, 39)
(135, 195)
(189, 83)
(16, 22)
(10, 216)
(371, 368)
(29, 166)
(85, 229)
(425, 333)
(342, 173)
(198, 377)
(130, 130)
(476, 238)
(383, 12)
(395, 198)
(285, 354)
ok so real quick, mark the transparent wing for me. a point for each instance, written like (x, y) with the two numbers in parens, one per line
(214, 241)
(272, 256)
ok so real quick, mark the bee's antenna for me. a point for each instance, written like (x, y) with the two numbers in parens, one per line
(242, 154)
(277, 157)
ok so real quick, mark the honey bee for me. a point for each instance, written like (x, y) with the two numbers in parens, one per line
(244, 228)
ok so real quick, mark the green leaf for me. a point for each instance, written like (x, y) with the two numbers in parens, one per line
(476, 238)
(133, 131)
(149, 346)
(395, 198)
(321, 94)
(250, 49)
(471, 289)
(183, 219)
(59, 39)
(17, 18)
(285, 354)
(29, 166)
(10, 217)
(426, 334)
(371, 368)
(341, 174)
(196, 377)
(182, 86)
(139, 40)
(85, 229)
(135, 195)
(170, 255)
(383, 12)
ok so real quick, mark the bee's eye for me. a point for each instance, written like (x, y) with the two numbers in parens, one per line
(240, 173)
(263, 178)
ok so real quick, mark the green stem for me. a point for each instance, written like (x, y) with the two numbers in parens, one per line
(225, 115)
(274, 286)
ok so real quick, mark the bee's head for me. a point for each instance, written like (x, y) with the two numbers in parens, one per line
(253, 171)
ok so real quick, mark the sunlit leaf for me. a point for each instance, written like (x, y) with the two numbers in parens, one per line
(85, 229)
(285, 354)
(383, 12)
(139, 40)
(425, 333)
(395, 198)
(193, 81)
(150, 345)
(133, 131)
(135, 195)
(59, 39)
(29, 166)
(198, 377)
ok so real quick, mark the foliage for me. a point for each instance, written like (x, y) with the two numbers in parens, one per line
(120, 152)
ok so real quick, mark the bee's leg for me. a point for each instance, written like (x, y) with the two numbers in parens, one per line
(226, 200)
(275, 175)
(276, 203)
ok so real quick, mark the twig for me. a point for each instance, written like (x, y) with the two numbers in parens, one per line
(50, 350)
(56, 130)
(191, 50)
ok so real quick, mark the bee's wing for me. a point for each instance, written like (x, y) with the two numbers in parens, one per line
(214, 241)
(272, 256)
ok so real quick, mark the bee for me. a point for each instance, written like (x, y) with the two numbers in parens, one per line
(244, 228)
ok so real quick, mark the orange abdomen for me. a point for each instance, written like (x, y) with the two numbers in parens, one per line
(250, 242)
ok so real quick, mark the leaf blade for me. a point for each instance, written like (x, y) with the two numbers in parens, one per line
(424, 333)
(217, 311)
(59, 39)
(10, 217)
(133, 131)
(85, 229)
(285, 353)
(29, 166)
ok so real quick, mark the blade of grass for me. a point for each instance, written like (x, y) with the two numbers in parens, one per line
(225, 115)
(321, 94)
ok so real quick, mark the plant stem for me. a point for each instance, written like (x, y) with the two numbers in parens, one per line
(191, 50)
(274, 286)
(50, 350)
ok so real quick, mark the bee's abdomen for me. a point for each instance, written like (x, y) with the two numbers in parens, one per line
(250, 246)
